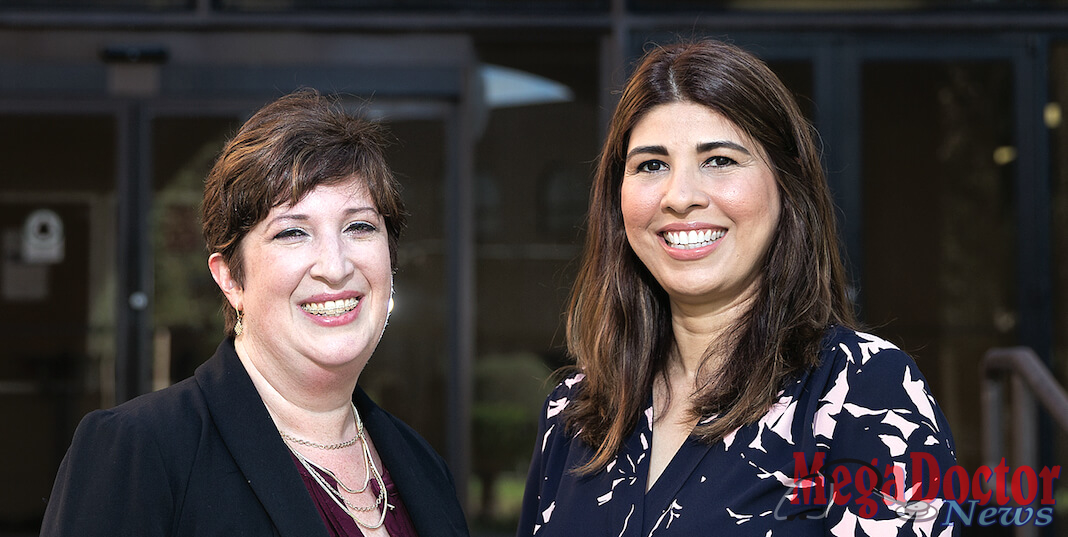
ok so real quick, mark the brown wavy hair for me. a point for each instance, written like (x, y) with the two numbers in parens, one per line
(619, 318)
(285, 150)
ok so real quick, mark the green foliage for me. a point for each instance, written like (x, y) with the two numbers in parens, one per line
(509, 392)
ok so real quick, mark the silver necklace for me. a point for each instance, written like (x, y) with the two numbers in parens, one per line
(309, 443)
(317, 472)
(317, 445)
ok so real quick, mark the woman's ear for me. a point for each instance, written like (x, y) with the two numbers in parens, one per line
(230, 287)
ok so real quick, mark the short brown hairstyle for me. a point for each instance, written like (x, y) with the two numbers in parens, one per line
(619, 318)
(285, 150)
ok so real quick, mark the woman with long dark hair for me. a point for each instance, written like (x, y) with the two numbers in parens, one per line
(720, 385)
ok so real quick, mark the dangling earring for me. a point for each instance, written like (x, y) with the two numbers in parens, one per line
(390, 307)
(239, 326)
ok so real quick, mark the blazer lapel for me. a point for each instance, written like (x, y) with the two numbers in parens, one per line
(249, 434)
(426, 492)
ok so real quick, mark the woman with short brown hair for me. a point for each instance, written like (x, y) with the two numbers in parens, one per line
(272, 435)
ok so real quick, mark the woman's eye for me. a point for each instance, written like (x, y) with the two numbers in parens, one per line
(651, 166)
(290, 233)
(719, 161)
(361, 227)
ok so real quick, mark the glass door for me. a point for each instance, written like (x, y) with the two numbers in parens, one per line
(922, 154)
(938, 222)
(409, 372)
(57, 293)
(1054, 121)
(187, 318)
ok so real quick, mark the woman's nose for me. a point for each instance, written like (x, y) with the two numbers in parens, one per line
(332, 263)
(683, 192)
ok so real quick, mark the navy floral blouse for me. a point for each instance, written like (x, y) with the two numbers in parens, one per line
(852, 447)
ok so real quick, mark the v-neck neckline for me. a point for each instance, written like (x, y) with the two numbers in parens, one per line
(682, 464)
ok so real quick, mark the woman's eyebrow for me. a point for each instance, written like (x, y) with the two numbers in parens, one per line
(302, 217)
(361, 209)
(650, 149)
(286, 217)
(711, 146)
(701, 148)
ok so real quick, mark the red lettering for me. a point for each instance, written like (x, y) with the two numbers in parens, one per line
(868, 507)
(1048, 475)
(982, 476)
(840, 477)
(865, 485)
(894, 477)
(962, 480)
(921, 461)
(1019, 495)
(999, 482)
(808, 480)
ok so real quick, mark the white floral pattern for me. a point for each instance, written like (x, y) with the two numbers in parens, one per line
(866, 401)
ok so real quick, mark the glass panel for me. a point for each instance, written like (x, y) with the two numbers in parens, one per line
(187, 305)
(939, 229)
(407, 374)
(57, 298)
(1059, 204)
(534, 163)
(797, 76)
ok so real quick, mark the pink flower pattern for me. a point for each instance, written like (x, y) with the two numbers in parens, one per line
(866, 401)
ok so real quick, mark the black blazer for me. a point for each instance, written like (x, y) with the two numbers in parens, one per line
(203, 458)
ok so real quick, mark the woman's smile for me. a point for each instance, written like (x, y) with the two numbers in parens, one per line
(333, 312)
(691, 240)
(688, 240)
(331, 308)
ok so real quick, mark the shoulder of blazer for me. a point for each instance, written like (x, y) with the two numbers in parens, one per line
(174, 416)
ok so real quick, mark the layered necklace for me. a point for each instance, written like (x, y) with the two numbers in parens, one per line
(318, 473)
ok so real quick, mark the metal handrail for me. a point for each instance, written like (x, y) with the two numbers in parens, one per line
(1024, 362)
(1031, 380)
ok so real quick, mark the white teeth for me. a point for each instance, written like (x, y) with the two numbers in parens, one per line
(688, 240)
(331, 307)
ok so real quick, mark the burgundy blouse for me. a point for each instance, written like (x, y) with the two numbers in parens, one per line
(340, 524)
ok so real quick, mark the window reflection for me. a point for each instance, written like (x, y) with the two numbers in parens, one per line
(187, 303)
(57, 315)
(939, 224)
